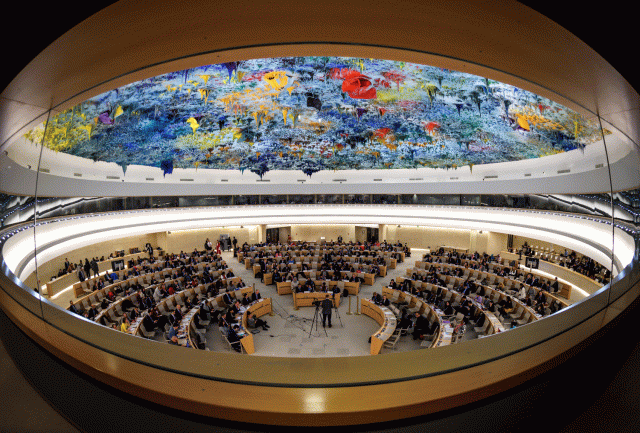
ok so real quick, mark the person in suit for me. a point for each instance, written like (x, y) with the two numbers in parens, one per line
(175, 316)
(310, 286)
(227, 298)
(256, 295)
(94, 267)
(385, 302)
(148, 323)
(555, 286)
(480, 321)
(87, 267)
(245, 300)
(173, 334)
(376, 298)
(134, 314)
(73, 308)
(230, 317)
(540, 297)
(254, 322)
(277, 277)
(81, 274)
(233, 338)
(147, 303)
(326, 305)
(405, 319)
(420, 325)
(237, 308)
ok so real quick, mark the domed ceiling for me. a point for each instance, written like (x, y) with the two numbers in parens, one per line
(312, 114)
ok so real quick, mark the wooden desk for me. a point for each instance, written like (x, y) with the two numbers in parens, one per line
(385, 318)
(268, 278)
(369, 279)
(305, 299)
(353, 287)
(259, 308)
(284, 288)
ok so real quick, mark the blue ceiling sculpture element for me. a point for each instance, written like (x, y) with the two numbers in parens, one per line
(315, 113)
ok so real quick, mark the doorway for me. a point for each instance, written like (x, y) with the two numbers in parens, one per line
(273, 236)
(372, 234)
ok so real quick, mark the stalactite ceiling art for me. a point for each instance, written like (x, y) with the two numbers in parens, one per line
(315, 113)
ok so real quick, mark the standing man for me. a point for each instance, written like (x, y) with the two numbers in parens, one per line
(234, 242)
(327, 304)
(94, 267)
(87, 268)
(81, 275)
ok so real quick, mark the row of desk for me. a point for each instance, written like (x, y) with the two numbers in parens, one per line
(563, 289)
(114, 312)
(158, 273)
(369, 278)
(97, 296)
(479, 275)
(445, 330)
(314, 261)
(312, 267)
(70, 279)
(576, 278)
(496, 296)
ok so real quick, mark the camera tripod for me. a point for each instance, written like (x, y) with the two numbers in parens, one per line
(335, 307)
(315, 320)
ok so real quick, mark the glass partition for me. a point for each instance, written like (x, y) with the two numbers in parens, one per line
(624, 159)
(564, 165)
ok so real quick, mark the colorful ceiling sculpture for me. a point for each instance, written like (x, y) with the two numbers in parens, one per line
(315, 113)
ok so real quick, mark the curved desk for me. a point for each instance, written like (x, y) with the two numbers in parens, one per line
(431, 313)
(564, 289)
(259, 308)
(184, 330)
(385, 318)
(60, 283)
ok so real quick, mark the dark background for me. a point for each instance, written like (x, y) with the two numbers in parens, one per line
(610, 28)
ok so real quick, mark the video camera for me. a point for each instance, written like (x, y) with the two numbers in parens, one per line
(316, 303)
